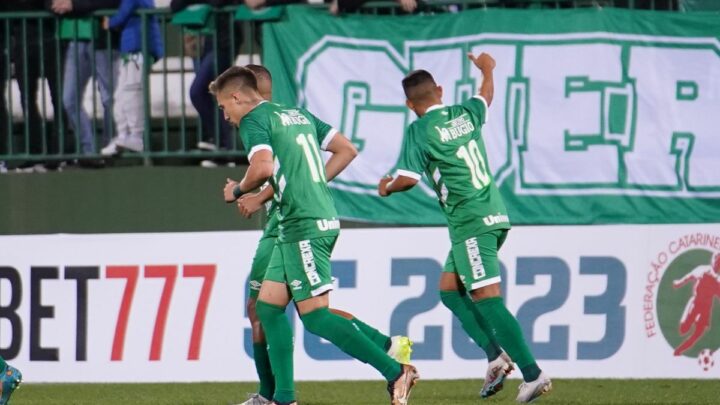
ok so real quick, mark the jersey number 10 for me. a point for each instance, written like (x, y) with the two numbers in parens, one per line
(473, 158)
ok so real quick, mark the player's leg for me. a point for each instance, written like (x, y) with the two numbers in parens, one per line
(373, 334)
(9, 380)
(397, 347)
(310, 289)
(270, 309)
(260, 354)
(455, 298)
(482, 279)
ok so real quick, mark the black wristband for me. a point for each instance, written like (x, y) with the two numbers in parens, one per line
(237, 192)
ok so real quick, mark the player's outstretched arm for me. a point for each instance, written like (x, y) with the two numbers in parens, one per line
(486, 64)
(343, 152)
(388, 185)
(259, 171)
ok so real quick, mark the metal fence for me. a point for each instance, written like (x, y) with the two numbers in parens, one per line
(58, 78)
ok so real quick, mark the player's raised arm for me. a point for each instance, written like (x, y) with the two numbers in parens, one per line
(343, 152)
(486, 64)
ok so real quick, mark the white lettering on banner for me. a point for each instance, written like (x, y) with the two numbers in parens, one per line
(676, 124)
(604, 121)
(309, 262)
(579, 296)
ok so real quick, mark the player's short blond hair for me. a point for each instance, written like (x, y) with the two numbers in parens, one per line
(236, 78)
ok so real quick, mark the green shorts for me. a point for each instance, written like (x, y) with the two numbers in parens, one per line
(475, 260)
(259, 265)
(304, 266)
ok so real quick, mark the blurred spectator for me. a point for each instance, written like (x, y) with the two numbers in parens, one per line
(212, 62)
(130, 105)
(35, 55)
(4, 78)
(350, 6)
(79, 62)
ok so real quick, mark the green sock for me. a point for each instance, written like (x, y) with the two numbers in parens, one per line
(279, 348)
(472, 322)
(343, 334)
(264, 370)
(373, 334)
(509, 335)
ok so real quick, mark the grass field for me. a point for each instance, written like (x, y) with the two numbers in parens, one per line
(450, 392)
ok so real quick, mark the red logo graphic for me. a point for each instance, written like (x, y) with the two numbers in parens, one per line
(698, 312)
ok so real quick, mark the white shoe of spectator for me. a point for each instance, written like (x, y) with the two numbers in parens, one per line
(32, 168)
(111, 149)
(3, 168)
(202, 145)
(208, 164)
(133, 143)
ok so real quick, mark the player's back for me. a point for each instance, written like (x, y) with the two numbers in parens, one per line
(306, 207)
(458, 165)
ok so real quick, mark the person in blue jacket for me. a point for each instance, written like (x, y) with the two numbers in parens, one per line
(129, 105)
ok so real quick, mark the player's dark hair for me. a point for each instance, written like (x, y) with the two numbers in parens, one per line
(260, 71)
(239, 78)
(418, 85)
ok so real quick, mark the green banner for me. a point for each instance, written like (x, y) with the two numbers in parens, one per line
(599, 116)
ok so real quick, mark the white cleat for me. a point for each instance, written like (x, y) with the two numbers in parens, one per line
(530, 391)
(256, 399)
(400, 388)
(400, 349)
(497, 371)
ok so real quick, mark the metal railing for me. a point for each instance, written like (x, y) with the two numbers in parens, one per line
(41, 117)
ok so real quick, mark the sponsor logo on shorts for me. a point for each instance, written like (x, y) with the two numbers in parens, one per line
(473, 252)
(309, 262)
(326, 225)
(296, 284)
(255, 285)
(491, 220)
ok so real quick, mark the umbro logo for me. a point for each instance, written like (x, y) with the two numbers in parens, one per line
(296, 284)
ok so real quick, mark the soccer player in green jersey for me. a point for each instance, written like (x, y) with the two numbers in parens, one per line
(397, 347)
(445, 144)
(284, 147)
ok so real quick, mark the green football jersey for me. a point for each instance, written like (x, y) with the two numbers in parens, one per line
(295, 137)
(446, 145)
